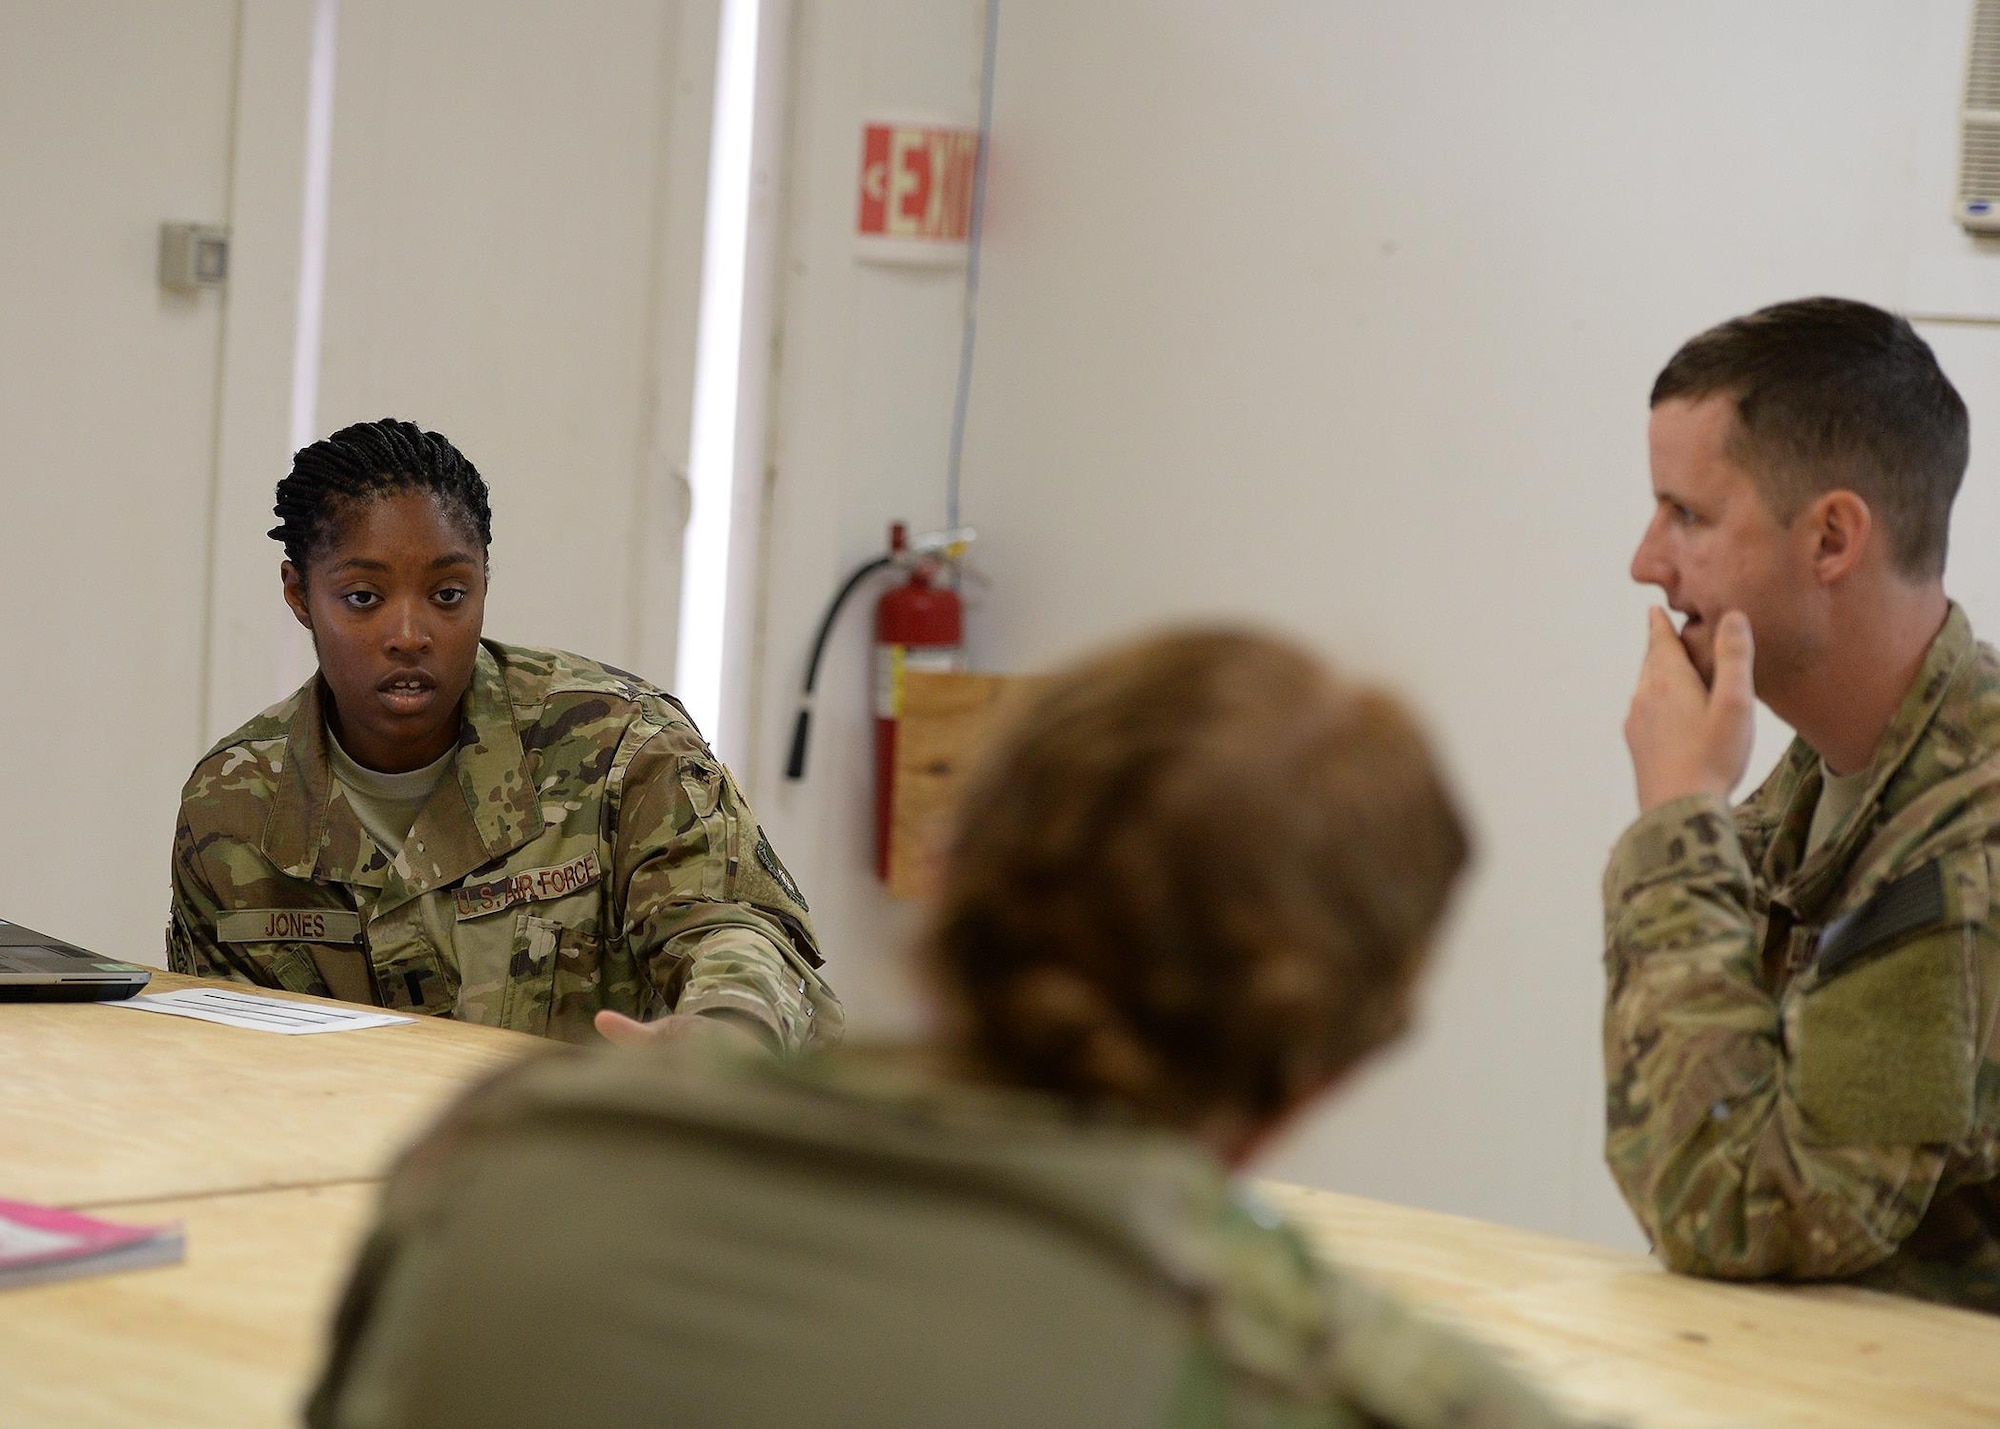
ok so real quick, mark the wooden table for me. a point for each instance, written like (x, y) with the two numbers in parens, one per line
(269, 1150)
(104, 1104)
(1614, 1336)
(233, 1336)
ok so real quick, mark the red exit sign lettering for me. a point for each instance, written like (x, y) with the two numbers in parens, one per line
(916, 182)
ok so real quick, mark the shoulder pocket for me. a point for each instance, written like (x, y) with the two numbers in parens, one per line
(1880, 1036)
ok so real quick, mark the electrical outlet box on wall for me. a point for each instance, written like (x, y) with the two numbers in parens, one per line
(1978, 202)
(1954, 242)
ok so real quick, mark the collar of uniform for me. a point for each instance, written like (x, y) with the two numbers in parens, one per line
(1821, 873)
(1948, 656)
(305, 835)
(487, 811)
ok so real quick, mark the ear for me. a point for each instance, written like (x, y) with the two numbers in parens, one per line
(1841, 529)
(295, 593)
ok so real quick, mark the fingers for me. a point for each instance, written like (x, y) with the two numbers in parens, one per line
(1666, 660)
(617, 1027)
(629, 1032)
(1735, 653)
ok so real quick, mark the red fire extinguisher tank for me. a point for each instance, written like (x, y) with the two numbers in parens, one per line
(918, 626)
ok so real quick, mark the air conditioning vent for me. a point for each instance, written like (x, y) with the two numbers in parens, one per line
(1978, 206)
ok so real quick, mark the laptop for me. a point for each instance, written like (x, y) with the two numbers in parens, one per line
(35, 967)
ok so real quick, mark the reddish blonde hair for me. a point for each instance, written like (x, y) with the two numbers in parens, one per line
(1197, 874)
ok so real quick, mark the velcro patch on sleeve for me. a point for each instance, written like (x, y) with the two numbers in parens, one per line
(287, 925)
(1885, 1053)
(782, 876)
(475, 900)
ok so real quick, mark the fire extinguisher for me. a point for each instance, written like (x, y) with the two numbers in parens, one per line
(919, 625)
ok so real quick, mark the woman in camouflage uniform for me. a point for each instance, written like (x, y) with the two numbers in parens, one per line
(1189, 892)
(444, 824)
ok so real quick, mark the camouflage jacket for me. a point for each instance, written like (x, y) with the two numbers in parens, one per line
(583, 851)
(1799, 1050)
(855, 1240)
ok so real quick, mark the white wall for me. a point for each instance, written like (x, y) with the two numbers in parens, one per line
(1342, 317)
(866, 361)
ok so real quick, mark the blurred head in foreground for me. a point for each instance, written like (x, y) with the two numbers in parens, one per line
(1197, 878)
(1190, 887)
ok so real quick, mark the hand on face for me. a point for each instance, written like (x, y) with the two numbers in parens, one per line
(1686, 737)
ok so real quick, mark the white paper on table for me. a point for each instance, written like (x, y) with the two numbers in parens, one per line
(261, 1014)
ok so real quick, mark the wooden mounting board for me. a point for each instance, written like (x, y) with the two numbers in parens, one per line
(947, 721)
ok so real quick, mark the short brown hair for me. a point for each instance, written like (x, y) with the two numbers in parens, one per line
(1833, 394)
(1198, 874)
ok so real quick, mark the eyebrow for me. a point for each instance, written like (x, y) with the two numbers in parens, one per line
(449, 558)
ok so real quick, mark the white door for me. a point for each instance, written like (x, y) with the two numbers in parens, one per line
(117, 115)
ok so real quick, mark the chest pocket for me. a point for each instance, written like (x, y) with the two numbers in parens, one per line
(554, 979)
(529, 949)
(1879, 1032)
(283, 965)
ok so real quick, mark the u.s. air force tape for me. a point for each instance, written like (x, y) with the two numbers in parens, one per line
(287, 925)
(530, 885)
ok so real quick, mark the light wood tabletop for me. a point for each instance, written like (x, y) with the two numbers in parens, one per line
(269, 1150)
(105, 1104)
(231, 1337)
(1617, 1337)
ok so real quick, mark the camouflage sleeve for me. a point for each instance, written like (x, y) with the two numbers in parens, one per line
(191, 945)
(1403, 1369)
(1747, 1139)
(1288, 1337)
(713, 918)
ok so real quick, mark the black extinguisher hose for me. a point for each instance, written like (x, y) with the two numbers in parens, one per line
(795, 766)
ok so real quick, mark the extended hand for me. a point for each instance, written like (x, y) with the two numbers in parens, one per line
(1684, 738)
(628, 1031)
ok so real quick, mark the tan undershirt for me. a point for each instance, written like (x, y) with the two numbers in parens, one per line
(1838, 795)
(387, 805)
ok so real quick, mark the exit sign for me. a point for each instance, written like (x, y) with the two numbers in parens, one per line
(916, 191)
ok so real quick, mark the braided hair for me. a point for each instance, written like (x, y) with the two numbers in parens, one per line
(1101, 934)
(372, 459)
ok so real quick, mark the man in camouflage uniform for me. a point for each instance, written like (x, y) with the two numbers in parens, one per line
(586, 851)
(1803, 991)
